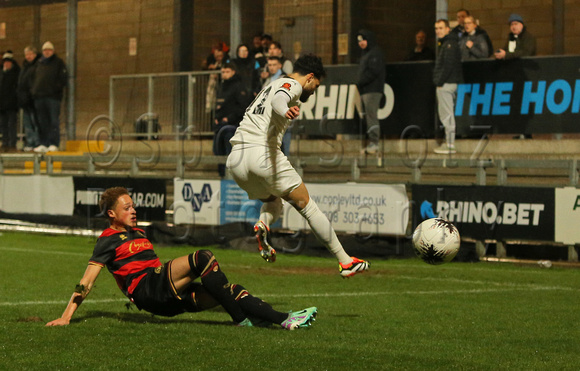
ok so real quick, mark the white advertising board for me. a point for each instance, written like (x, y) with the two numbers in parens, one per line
(567, 215)
(381, 209)
(37, 194)
(196, 201)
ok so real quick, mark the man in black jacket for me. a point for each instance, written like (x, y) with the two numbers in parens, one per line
(446, 75)
(231, 102)
(50, 78)
(25, 101)
(8, 101)
(371, 85)
(520, 42)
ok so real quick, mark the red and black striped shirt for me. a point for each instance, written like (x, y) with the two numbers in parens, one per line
(126, 255)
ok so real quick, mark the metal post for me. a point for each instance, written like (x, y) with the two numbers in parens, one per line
(574, 172)
(111, 99)
(480, 174)
(355, 170)
(191, 80)
(235, 24)
(150, 99)
(71, 61)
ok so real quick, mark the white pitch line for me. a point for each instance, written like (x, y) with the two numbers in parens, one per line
(17, 249)
(57, 302)
(329, 295)
(479, 282)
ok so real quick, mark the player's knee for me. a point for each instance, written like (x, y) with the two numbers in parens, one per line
(201, 261)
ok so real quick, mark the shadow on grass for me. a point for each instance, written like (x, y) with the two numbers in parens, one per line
(144, 317)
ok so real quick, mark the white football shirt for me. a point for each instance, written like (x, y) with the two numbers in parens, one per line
(261, 124)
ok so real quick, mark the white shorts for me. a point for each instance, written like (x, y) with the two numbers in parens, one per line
(262, 171)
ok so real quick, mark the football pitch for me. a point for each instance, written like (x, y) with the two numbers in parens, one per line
(403, 314)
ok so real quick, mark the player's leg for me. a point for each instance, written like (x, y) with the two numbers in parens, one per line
(269, 214)
(445, 109)
(261, 313)
(300, 199)
(203, 264)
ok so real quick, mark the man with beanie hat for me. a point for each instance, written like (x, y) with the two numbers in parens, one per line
(8, 101)
(371, 85)
(520, 42)
(49, 80)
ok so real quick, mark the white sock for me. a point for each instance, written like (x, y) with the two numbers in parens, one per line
(323, 230)
(271, 211)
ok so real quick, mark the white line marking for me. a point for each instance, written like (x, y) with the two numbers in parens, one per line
(330, 295)
(87, 254)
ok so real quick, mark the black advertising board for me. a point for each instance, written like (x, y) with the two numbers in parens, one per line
(409, 101)
(499, 213)
(149, 195)
(527, 95)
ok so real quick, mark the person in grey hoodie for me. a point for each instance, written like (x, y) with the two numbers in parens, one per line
(371, 85)
(446, 75)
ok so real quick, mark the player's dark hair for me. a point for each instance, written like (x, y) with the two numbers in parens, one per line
(273, 58)
(463, 10)
(309, 63)
(109, 198)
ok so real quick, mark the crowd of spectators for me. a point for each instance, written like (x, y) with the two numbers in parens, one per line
(36, 90)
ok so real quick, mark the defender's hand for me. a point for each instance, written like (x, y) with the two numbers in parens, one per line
(58, 322)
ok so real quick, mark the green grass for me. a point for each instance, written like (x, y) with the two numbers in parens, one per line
(404, 314)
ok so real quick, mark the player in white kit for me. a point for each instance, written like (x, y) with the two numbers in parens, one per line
(261, 169)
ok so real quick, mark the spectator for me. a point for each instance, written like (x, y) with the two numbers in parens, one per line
(266, 41)
(247, 70)
(210, 94)
(209, 63)
(50, 77)
(275, 50)
(421, 52)
(9, 101)
(274, 70)
(231, 102)
(256, 51)
(520, 42)
(371, 86)
(472, 44)
(25, 101)
(460, 28)
(446, 75)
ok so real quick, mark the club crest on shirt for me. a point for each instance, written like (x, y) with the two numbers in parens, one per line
(287, 85)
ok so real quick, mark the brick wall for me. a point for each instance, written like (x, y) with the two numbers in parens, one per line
(321, 10)
(396, 23)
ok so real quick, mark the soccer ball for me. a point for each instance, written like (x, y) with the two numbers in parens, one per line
(436, 241)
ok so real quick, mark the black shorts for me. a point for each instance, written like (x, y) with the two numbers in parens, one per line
(155, 294)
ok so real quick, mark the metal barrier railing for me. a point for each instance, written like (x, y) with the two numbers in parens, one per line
(177, 100)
